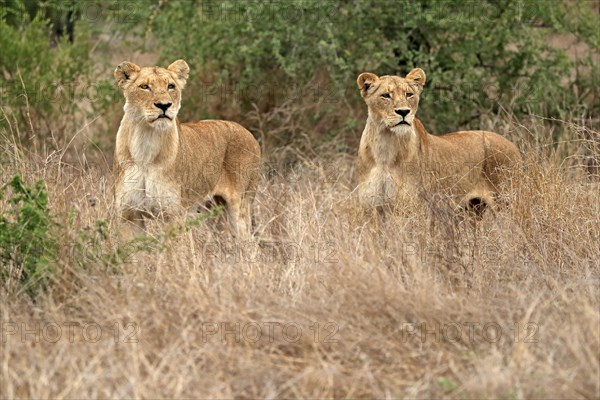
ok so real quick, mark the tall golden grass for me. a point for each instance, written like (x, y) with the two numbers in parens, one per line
(325, 301)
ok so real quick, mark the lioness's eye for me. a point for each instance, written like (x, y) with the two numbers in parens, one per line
(409, 95)
(171, 86)
(386, 96)
(144, 86)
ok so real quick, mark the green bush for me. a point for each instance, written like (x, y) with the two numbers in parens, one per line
(287, 69)
(27, 244)
(478, 56)
(36, 251)
(45, 77)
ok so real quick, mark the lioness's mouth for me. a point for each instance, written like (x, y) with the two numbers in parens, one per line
(403, 122)
(163, 116)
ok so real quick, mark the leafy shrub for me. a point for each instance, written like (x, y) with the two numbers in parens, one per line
(288, 69)
(27, 245)
(45, 72)
(479, 56)
(36, 251)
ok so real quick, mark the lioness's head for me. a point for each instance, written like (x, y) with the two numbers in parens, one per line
(152, 94)
(392, 100)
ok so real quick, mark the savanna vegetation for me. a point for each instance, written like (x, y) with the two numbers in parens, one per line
(324, 301)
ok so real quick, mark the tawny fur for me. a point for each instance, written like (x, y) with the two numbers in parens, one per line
(163, 167)
(398, 158)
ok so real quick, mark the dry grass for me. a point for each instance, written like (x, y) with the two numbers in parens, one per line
(347, 306)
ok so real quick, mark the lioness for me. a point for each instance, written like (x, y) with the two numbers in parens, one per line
(398, 157)
(163, 167)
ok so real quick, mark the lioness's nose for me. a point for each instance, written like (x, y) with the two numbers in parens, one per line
(402, 111)
(163, 106)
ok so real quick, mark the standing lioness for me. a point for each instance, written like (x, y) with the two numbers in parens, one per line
(398, 157)
(163, 167)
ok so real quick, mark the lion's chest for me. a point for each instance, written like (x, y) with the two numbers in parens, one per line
(391, 174)
(380, 186)
(147, 188)
(384, 185)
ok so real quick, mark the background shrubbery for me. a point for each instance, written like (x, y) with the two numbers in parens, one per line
(44, 74)
(287, 69)
(478, 56)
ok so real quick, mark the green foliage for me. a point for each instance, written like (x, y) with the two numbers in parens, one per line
(44, 72)
(297, 61)
(478, 56)
(36, 251)
(446, 384)
(27, 245)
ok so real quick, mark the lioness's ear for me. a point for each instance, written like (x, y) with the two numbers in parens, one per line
(181, 71)
(125, 73)
(417, 75)
(365, 81)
